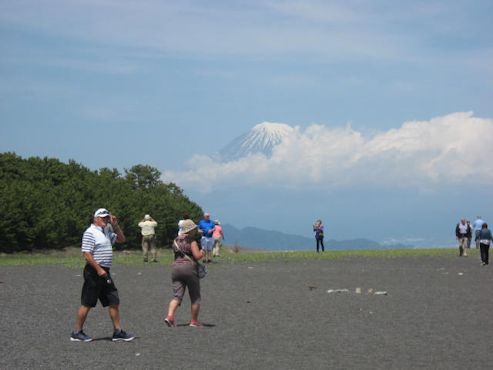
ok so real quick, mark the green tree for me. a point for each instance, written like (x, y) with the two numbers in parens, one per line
(143, 177)
(48, 204)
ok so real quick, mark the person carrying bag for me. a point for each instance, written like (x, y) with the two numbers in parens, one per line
(201, 268)
(186, 273)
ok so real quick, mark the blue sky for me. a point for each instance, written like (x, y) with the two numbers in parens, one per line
(165, 83)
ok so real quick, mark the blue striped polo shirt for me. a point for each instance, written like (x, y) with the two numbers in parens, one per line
(99, 243)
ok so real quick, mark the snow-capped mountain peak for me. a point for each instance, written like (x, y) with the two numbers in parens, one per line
(261, 139)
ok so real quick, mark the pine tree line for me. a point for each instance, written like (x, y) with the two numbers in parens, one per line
(47, 204)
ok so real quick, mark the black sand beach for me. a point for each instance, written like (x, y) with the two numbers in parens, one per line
(273, 315)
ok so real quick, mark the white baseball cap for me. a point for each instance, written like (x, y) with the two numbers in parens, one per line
(102, 212)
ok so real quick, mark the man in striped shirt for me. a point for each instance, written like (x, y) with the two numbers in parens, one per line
(97, 249)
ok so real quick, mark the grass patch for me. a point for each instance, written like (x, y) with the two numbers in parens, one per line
(71, 257)
(255, 256)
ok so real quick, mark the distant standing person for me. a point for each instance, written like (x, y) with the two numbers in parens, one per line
(148, 225)
(206, 225)
(218, 236)
(477, 226)
(461, 232)
(97, 249)
(184, 273)
(318, 228)
(469, 235)
(180, 223)
(485, 238)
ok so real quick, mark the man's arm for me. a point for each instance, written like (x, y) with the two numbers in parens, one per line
(91, 261)
(120, 237)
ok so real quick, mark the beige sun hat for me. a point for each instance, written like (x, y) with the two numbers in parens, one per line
(187, 226)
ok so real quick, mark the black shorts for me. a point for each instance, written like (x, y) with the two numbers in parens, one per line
(96, 287)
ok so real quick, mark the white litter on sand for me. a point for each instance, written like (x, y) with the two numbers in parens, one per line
(338, 291)
(358, 291)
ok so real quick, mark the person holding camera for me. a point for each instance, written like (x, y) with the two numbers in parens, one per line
(148, 225)
(184, 273)
(97, 249)
(318, 228)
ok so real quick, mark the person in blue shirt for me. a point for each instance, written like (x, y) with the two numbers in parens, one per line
(477, 225)
(206, 226)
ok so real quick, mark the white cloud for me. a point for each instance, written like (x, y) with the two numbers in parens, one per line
(452, 149)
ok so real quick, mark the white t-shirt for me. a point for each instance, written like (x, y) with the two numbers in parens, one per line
(99, 243)
(180, 227)
(462, 229)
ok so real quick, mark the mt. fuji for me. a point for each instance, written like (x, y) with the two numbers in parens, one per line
(261, 139)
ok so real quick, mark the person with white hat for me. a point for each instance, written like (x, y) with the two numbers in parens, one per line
(180, 223)
(148, 225)
(97, 249)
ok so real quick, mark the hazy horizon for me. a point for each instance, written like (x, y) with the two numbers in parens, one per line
(384, 109)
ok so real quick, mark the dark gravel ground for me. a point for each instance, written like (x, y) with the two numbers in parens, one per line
(273, 315)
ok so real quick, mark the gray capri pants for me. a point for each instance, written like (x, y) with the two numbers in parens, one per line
(184, 275)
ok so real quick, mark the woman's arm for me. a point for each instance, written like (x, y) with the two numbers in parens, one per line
(197, 253)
